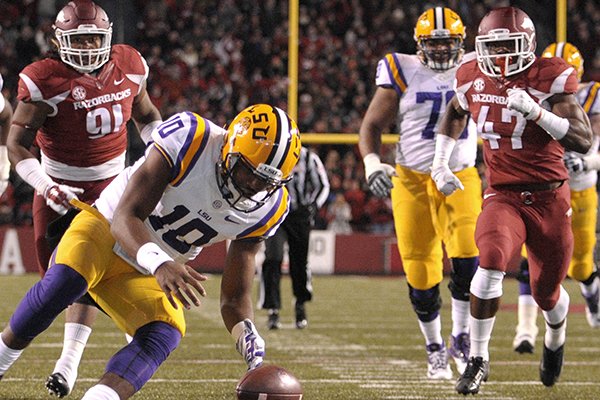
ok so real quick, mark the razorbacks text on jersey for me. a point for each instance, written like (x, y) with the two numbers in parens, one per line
(516, 151)
(192, 212)
(87, 129)
(589, 97)
(424, 94)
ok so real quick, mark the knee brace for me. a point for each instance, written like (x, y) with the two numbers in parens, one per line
(150, 347)
(461, 275)
(590, 280)
(487, 284)
(426, 303)
(59, 288)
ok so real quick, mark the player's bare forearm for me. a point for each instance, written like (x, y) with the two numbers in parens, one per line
(579, 136)
(143, 192)
(144, 111)
(595, 123)
(454, 120)
(5, 119)
(26, 120)
(236, 284)
(379, 116)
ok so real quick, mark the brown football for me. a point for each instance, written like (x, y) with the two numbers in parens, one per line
(269, 382)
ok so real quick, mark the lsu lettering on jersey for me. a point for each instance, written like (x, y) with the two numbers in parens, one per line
(192, 213)
(424, 94)
(516, 151)
(85, 137)
(589, 97)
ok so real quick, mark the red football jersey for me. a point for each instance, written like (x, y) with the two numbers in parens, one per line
(516, 151)
(88, 125)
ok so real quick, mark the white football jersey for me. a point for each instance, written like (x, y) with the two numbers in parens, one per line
(424, 94)
(192, 212)
(588, 95)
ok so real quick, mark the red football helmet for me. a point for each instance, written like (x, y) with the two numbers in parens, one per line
(83, 17)
(505, 43)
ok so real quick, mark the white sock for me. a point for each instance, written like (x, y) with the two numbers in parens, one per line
(527, 315)
(460, 317)
(7, 356)
(76, 337)
(554, 338)
(481, 333)
(432, 330)
(588, 290)
(100, 392)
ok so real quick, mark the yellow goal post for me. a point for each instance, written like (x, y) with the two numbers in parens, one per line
(341, 138)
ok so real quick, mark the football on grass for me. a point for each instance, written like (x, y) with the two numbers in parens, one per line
(269, 382)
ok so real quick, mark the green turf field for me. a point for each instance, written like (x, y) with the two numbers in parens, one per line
(362, 342)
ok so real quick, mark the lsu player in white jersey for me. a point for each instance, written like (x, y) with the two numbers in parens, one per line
(198, 184)
(583, 176)
(413, 91)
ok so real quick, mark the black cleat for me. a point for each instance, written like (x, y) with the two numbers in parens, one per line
(301, 321)
(551, 365)
(57, 385)
(273, 321)
(524, 347)
(477, 371)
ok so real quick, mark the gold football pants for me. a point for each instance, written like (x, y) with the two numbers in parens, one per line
(424, 218)
(131, 299)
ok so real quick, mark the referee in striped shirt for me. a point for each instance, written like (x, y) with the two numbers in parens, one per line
(309, 189)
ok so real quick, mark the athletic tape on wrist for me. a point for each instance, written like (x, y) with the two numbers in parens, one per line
(237, 330)
(146, 132)
(556, 126)
(372, 163)
(150, 256)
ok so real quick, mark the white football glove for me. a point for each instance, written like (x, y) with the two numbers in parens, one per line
(575, 164)
(58, 196)
(378, 175)
(249, 343)
(445, 181)
(520, 101)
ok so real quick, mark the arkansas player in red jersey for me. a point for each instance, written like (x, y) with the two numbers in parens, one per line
(527, 115)
(75, 106)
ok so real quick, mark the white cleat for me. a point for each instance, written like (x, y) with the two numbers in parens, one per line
(437, 362)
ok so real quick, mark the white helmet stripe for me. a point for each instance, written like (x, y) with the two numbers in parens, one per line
(560, 48)
(439, 18)
(284, 129)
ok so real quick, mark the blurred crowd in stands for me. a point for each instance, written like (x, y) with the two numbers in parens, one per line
(216, 56)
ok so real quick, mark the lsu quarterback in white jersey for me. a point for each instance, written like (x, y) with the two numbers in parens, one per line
(197, 213)
(413, 91)
(583, 176)
(196, 185)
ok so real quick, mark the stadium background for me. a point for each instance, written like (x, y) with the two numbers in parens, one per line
(216, 57)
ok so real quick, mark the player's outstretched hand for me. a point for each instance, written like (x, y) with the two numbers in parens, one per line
(58, 197)
(378, 175)
(574, 163)
(445, 181)
(177, 281)
(250, 345)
